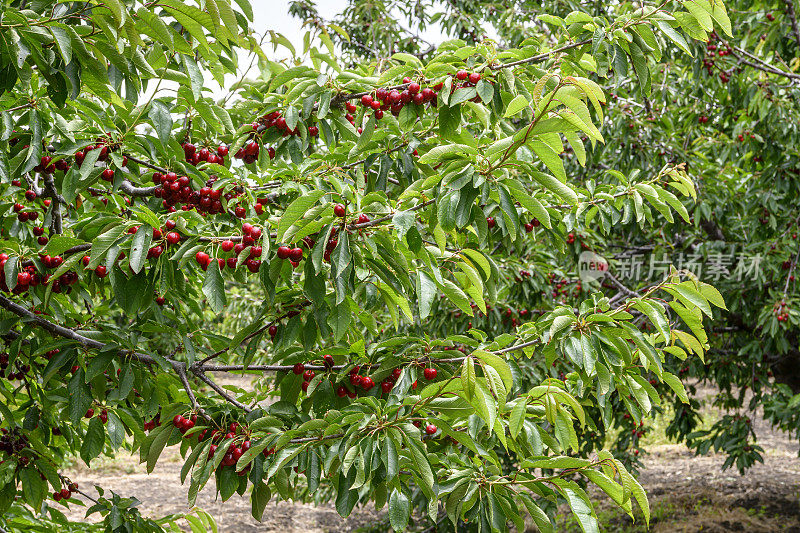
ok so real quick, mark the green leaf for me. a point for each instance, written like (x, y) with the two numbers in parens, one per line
(162, 122)
(468, 377)
(140, 246)
(399, 510)
(516, 105)
(93, 441)
(558, 187)
(214, 288)
(676, 385)
(34, 488)
(296, 210)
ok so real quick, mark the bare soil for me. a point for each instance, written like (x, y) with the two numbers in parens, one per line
(687, 494)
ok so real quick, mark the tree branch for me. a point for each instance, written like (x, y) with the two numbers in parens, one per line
(792, 19)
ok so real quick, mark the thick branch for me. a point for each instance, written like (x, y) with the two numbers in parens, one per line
(792, 19)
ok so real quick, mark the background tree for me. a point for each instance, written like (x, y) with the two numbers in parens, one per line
(386, 241)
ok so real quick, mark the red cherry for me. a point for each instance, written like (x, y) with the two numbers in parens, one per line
(296, 254)
(284, 252)
(430, 373)
(65, 494)
(172, 237)
(341, 391)
(202, 259)
(89, 413)
(367, 383)
(387, 387)
(474, 78)
(462, 75)
(298, 368)
(430, 429)
(339, 210)
(101, 271)
(107, 175)
(490, 221)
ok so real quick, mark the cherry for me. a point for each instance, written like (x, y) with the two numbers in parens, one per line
(202, 259)
(341, 391)
(430, 429)
(296, 254)
(30, 195)
(528, 227)
(89, 413)
(339, 210)
(65, 494)
(177, 421)
(101, 271)
(298, 368)
(490, 221)
(103, 416)
(430, 373)
(253, 265)
(172, 237)
(284, 252)
(273, 330)
(367, 383)
(366, 100)
(474, 78)
(107, 174)
(363, 219)
(24, 279)
(413, 87)
(462, 75)
(387, 387)
(160, 300)
(222, 150)
(73, 487)
(414, 385)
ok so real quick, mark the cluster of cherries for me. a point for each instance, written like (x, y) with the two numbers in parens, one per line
(66, 492)
(712, 50)
(194, 156)
(25, 216)
(21, 369)
(250, 236)
(103, 416)
(152, 424)
(561, 286)
(175, 190)
(28, 277)
(781, 311)
(13, 442)
(393, 100)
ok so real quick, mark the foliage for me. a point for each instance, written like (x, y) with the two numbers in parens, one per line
(728, 110)
(330, 229)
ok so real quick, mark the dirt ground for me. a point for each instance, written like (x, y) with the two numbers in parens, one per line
(687, 494)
